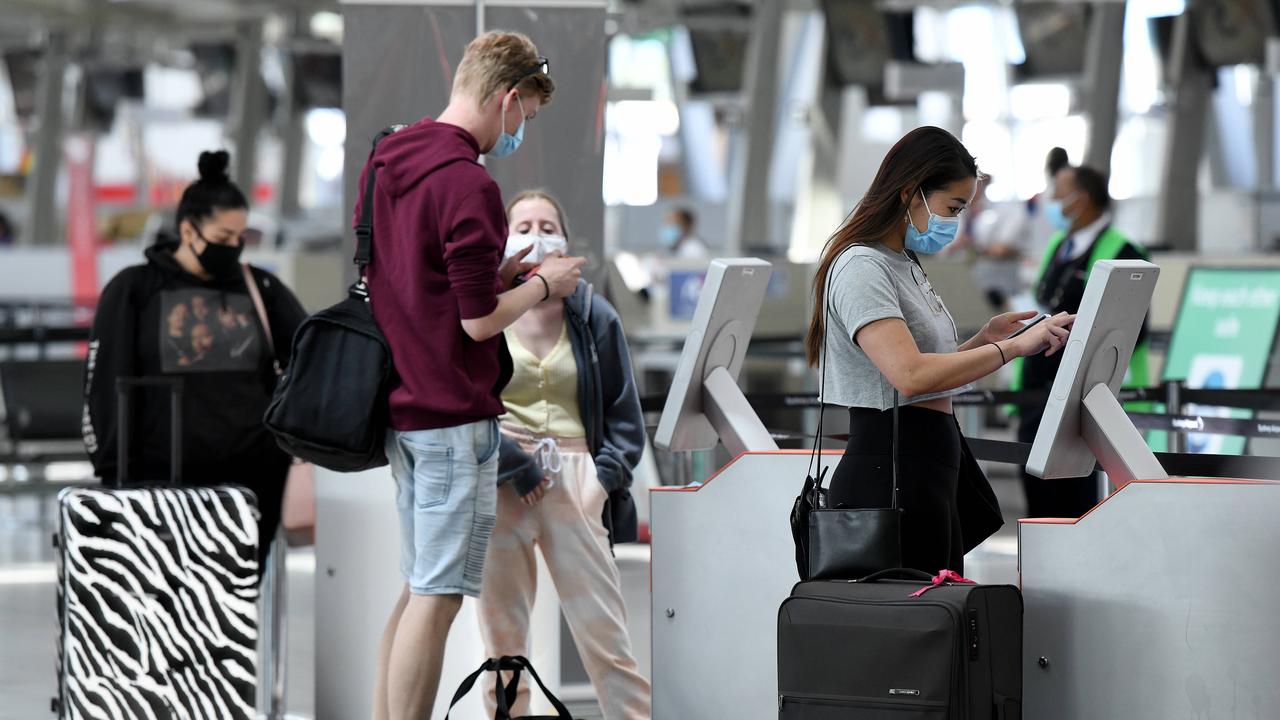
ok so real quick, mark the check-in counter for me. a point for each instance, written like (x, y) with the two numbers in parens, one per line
(723, 561)
(1159, 603)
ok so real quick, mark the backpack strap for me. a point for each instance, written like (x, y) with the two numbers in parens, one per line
(364, 227)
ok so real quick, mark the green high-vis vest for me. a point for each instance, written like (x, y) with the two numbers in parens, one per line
(1107, 247)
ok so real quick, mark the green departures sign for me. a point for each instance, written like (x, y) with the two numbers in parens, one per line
(1222, 339)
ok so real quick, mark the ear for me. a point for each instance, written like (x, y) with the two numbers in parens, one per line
(909, 197)
(186, 231)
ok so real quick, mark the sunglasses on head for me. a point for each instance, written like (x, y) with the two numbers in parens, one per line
(543, 66)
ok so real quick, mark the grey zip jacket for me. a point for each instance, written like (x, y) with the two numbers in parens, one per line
(610, 406)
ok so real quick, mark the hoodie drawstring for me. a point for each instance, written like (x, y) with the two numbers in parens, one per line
(547, 454)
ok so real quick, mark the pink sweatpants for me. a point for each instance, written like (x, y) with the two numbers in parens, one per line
(566, 525)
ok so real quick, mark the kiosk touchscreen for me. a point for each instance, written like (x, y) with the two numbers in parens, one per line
(1083, 418)
(705, 403)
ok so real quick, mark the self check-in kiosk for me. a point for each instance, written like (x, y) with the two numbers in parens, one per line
(1156, 604)
(722, 554)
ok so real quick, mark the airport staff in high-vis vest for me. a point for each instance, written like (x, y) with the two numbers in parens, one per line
(1080, 211)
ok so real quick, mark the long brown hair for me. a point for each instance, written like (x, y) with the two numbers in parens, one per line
(926, 159)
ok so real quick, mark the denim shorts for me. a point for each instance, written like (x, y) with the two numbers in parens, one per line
(446, 494)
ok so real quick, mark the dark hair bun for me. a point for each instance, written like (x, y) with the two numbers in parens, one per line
(213, 166)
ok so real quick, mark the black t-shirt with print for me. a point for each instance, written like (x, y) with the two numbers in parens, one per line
(158, 320)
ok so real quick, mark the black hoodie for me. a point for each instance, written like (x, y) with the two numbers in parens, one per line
(158, 320)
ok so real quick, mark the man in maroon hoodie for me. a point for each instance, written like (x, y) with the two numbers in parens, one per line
(442, 297)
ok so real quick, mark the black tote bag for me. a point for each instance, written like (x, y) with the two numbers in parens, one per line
(843, 543)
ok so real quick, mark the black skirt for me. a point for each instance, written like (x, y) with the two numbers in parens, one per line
(930, 449)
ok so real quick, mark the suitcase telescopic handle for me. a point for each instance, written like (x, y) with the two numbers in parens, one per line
(124, 392)
(899, 574)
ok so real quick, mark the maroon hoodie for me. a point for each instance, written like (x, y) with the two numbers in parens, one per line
(439, 232)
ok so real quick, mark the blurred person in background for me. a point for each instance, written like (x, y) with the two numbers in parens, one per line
(1038, 230)
(571, 437)
(1079, 207)
(7, 231)
(993, 235)
(154, 320)
(680, 236)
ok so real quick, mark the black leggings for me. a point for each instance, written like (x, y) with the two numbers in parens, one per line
(929, 451)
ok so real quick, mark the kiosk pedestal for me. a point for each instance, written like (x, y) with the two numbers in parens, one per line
(1159, 603)
(723, 561)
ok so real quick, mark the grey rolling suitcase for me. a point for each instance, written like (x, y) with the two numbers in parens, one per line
(869, 650)
(157, 594)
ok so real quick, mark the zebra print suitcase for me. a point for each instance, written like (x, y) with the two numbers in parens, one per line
(157, 597)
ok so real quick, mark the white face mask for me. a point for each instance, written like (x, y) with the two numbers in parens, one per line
(543, 246)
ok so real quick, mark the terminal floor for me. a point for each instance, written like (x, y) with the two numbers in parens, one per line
(28, 626)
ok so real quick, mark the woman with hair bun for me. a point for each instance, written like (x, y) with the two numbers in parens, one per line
(187, 312)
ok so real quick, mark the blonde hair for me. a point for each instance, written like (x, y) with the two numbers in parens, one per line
(497, 61)
(541, 195)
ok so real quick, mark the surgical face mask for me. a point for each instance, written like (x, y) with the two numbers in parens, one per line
(1055, 213)
(543, 246)
(508, 143)
(670, 235)
(939, 234)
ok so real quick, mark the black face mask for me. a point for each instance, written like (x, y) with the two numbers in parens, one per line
(220, 261)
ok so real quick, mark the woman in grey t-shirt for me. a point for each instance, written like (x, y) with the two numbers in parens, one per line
(880, 334)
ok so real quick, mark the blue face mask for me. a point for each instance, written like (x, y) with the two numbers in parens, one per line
(508, 143)
(939, 234)
(670, 235)
(1056, 216)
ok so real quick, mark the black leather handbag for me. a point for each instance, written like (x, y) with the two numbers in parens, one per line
(844, 543)
(850, 543)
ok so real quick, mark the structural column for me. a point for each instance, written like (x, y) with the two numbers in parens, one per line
(1264, 129)
(1104, 57)
(292, 134)
(42, 223)
(1177, 202)
(248, 104)
(748, 220)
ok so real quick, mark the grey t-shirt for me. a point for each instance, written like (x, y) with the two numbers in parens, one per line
(869, 283)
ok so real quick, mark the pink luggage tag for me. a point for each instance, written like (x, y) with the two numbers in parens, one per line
(942, 578)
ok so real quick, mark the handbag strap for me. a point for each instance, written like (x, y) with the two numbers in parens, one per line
(822, 381)
(822, 385)
(505, 694)
(256, 295)
(519, 662)
(893, 444)
(468, 683)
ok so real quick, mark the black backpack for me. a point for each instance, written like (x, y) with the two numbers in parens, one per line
(330, 405)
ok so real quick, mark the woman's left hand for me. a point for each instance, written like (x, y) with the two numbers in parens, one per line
(1002, 326)
(535, 495)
